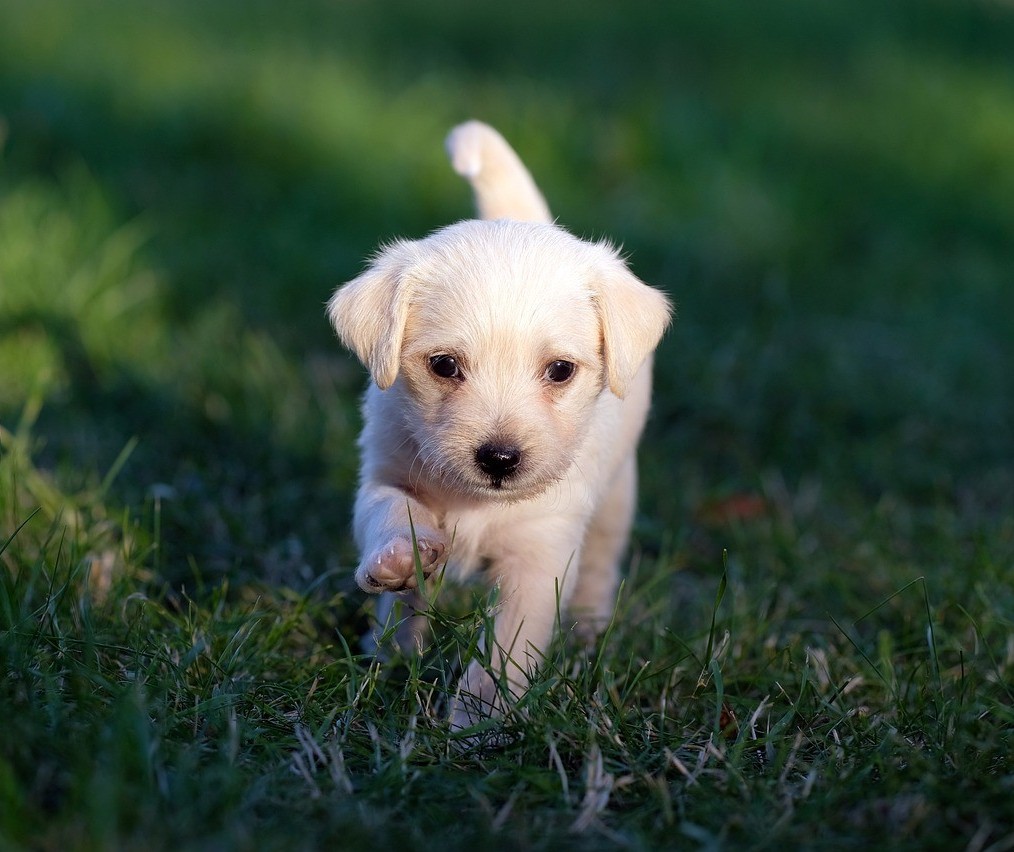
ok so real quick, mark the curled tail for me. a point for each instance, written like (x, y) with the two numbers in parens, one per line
(502, 186)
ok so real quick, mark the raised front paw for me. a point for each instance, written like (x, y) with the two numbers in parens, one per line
(391, 567)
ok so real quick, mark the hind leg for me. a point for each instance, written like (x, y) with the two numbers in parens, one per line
(605, 541)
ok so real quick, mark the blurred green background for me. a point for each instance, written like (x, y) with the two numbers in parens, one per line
(827, 192)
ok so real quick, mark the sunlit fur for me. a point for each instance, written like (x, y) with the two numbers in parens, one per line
(505, 299)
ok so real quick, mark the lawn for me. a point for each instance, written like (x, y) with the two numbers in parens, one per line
(814, 644)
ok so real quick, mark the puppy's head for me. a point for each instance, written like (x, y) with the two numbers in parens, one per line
(500, 336)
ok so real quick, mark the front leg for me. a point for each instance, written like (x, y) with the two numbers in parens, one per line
(402, 627)
(385, 518)
(535, 582)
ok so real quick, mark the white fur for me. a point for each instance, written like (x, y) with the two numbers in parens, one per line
(506, 298)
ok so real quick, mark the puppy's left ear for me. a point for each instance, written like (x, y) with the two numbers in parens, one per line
(369, 313)
(634, 317)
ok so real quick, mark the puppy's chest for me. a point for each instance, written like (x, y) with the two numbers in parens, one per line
(475, 542)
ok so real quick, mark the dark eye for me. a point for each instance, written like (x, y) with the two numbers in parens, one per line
(560, 371)
(445, 366)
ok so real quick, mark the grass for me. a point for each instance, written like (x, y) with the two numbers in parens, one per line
(813, 647)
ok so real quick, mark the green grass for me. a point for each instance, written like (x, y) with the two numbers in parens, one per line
(813, 647)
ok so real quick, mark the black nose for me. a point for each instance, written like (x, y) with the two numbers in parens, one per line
(498, 460)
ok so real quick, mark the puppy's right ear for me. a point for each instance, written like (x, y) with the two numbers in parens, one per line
(369, 313)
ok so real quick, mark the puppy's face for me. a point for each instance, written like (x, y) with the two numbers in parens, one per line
(497, 336)
(501, 373)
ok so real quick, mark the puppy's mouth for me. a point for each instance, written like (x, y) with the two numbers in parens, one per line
(522, 484)
(511, 489)
(498, 471)
(506, 472)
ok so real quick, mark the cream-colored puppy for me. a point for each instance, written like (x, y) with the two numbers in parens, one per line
(511, 367)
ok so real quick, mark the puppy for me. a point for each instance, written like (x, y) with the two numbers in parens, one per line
(511, 367)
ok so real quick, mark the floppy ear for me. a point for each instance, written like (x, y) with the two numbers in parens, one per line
(633, 315)
(369, 313)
